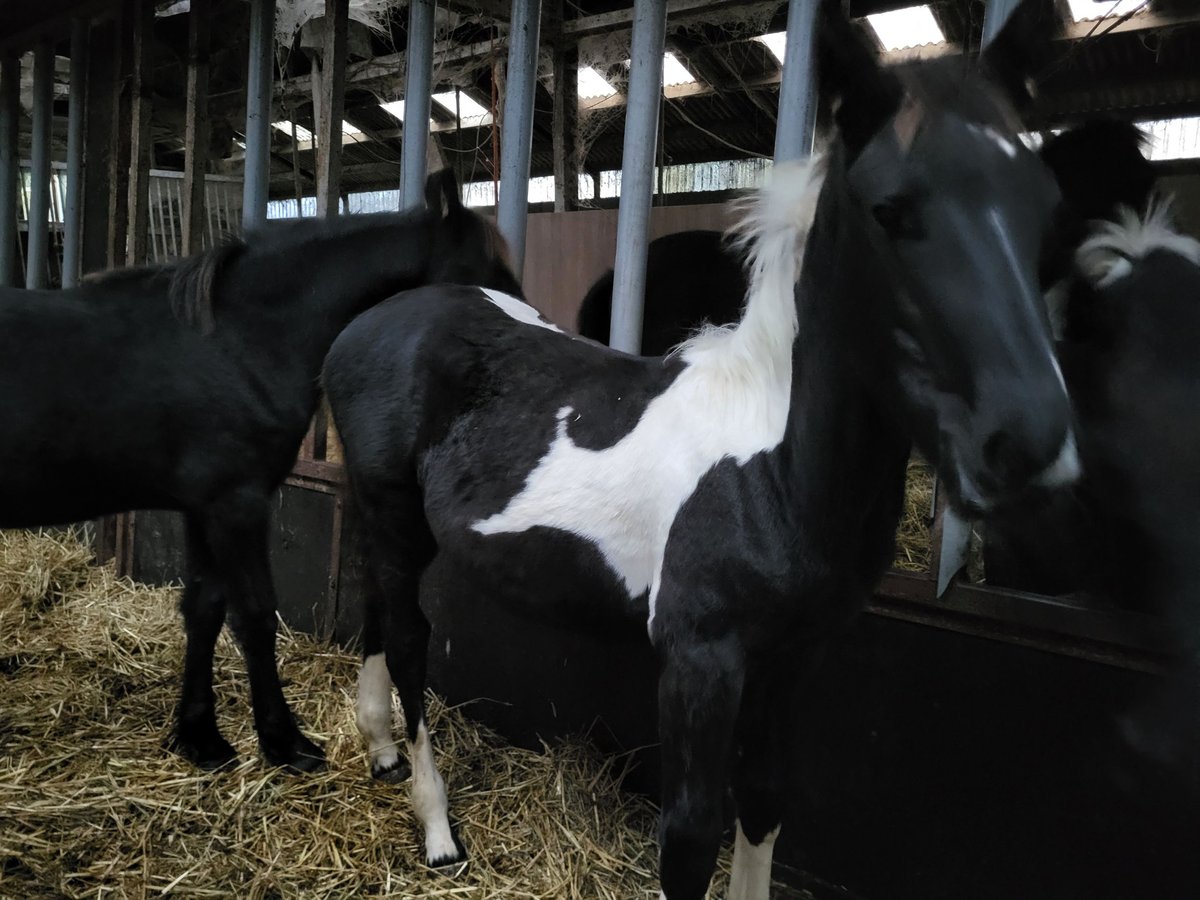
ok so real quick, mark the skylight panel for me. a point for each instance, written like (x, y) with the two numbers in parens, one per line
(1084, 10)
(395, 107)
(470, 109)
(593, 85)
(674, 72)
(302, 133)
(350, 128)
(1173, 138)
(900, 29)
(775, 42)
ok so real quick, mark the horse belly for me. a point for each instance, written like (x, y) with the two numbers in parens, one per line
(544, 572)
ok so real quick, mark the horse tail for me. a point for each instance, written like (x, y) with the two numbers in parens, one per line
(191, 291)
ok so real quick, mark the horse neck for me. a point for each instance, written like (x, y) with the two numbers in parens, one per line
(317, 287)
(840, 432)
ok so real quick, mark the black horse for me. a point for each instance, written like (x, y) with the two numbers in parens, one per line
(190, 387)
(1127, 535)
(692, 277)
(894, 298)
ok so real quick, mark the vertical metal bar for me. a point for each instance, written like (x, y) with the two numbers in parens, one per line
(637, 172)
(418, 86)
(797, 120)
(994, 17)
(258, 113)
(516, 135)
(73, 205)
(333, 94)
(39, 177)
(10, 102)
(196, 130)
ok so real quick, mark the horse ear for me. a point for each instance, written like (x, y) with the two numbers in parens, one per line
(1021, 49)
(865, 95)
(441, 193)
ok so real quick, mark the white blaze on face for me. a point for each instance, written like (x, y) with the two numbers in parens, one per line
(1066, 467)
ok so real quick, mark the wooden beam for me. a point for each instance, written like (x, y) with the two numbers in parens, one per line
(196, 127)
(98, 145)
(333, 96)
(141, 150)
(118, 173)
(565, 116)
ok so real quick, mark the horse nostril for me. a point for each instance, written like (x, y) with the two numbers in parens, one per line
(1006, 459)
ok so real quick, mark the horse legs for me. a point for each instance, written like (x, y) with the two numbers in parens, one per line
(375, 695)
(764, 740)
(203, 606)
(236, 533)
(401, 547)
(699, 689)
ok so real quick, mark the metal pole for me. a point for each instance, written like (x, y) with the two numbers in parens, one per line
(39, 175)
(995, 15)
(637, 172)
(418, 87)
(10, 102)
(73, 203)
(258, 113)
(797, 120)
(516, 137)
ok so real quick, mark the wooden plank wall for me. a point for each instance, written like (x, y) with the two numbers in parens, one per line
(566, 252)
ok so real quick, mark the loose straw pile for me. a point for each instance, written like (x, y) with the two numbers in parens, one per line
(91, 804)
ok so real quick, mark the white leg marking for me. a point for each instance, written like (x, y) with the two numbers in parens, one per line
(751, 876)
(429, 801)
(375, 713)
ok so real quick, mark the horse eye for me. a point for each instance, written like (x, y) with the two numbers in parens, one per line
(898, 219)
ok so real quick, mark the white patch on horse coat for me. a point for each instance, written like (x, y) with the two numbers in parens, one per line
(429, 800)
(730, 401)
(375, 713)
(750, 878)
(1106, 256)
(518, 309)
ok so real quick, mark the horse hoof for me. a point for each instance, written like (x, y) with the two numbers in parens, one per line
(302, 757)
(210, 753)
(396, 773)
(450, 860)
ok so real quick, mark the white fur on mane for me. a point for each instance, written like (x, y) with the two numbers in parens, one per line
(1105, 256)
(772, 232)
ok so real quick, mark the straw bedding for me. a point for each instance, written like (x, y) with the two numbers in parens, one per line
(91, 804)
(913, 540)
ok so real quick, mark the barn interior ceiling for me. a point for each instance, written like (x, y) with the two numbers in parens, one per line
(721, 93)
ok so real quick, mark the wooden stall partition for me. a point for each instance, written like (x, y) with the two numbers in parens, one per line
(566, 252)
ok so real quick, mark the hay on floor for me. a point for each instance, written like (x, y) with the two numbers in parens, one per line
(913, 534)
(91, 804)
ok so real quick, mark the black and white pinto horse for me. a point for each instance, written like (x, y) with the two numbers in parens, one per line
(190, 387)
(894, 298)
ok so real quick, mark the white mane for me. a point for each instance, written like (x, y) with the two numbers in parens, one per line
(1105, 256)
(772, 232)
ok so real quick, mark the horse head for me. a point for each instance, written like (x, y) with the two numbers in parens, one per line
(944, 211)
(468, 248)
